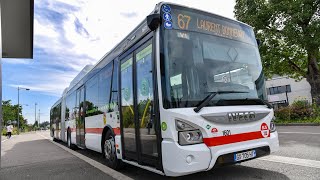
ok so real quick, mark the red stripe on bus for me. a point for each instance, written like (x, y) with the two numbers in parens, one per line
(100, 130)
(94, 130)
(222, 140)
(116, 131)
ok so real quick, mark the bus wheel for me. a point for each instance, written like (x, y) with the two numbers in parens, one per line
(109, 152)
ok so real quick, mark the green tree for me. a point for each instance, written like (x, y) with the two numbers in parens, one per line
(44, 124)
(290, 35)
(10, 113)
(35, 125)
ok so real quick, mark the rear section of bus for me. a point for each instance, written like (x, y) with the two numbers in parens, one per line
(213, 110)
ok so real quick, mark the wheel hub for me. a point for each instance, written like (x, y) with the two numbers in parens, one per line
(108, 148)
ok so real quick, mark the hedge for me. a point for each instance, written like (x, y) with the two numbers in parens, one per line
(299, 110)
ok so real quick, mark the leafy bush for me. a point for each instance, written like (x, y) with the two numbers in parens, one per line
(14, 131)
(283, 113)
(4, 132)
(299, 110)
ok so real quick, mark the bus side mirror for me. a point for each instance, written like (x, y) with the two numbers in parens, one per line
(153, 21)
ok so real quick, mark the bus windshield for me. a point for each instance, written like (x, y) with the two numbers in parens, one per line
(197, 64)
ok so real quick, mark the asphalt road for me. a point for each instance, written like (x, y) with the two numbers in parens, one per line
(298, 158)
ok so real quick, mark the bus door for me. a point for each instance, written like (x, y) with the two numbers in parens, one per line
(139, 132)
(80, 131)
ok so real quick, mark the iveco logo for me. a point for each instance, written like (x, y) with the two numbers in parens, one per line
(241, 116)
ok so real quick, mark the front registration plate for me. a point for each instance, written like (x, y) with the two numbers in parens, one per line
(244, 155)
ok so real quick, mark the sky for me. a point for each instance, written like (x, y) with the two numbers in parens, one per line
(69, 34)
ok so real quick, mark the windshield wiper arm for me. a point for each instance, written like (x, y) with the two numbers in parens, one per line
(207, 99)
(261, 101)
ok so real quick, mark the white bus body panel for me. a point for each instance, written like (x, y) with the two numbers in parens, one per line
(118, 146)
(174, 156)
(94, 128)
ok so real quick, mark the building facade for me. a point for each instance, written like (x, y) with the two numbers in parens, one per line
(283, 91)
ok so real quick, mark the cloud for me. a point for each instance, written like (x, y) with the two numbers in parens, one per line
(17, 61)
(80, 29)
(45, 89)
(54, 83)
(129, 14)
(71, 34)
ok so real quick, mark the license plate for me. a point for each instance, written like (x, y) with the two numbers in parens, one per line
(244, 155)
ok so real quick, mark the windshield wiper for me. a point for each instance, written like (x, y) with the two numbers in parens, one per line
(246, 101)
(258, 100)
(207, 99)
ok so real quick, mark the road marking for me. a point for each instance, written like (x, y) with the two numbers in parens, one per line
(307, 133)
(291, 160)
(103, 168)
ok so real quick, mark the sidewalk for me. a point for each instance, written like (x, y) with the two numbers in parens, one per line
(4, 138)
(29, 156)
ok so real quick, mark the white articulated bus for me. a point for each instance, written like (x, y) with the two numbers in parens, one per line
(182, 93)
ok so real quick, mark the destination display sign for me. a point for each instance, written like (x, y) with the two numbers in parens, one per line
(197, 21)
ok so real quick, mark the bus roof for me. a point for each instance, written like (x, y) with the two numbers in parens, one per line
(56, 103)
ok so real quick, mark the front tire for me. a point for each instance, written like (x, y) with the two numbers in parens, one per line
(109, 152)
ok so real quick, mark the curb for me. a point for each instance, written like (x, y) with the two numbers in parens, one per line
(111, 172)
(297, 124)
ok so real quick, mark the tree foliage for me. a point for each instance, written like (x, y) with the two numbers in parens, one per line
(290, 35)
(44, 124)
(10, 113)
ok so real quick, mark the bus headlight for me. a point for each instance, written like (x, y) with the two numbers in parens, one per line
(187, 134)
(190, 137)
(182, 126)
(273, 125)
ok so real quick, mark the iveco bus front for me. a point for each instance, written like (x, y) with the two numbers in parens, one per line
(212, 106)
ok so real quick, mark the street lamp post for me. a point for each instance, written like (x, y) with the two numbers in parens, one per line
(27, 89)
(39, 119)
(35, 113)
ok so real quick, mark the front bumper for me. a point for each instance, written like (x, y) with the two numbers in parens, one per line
(218, 151)
(182, 160)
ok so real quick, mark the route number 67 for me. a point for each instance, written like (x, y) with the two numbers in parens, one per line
(183, 21)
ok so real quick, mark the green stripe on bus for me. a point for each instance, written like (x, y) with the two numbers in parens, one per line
(126, 64)
(146, 51)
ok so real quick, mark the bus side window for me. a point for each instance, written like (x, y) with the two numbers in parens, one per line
(114, 93)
